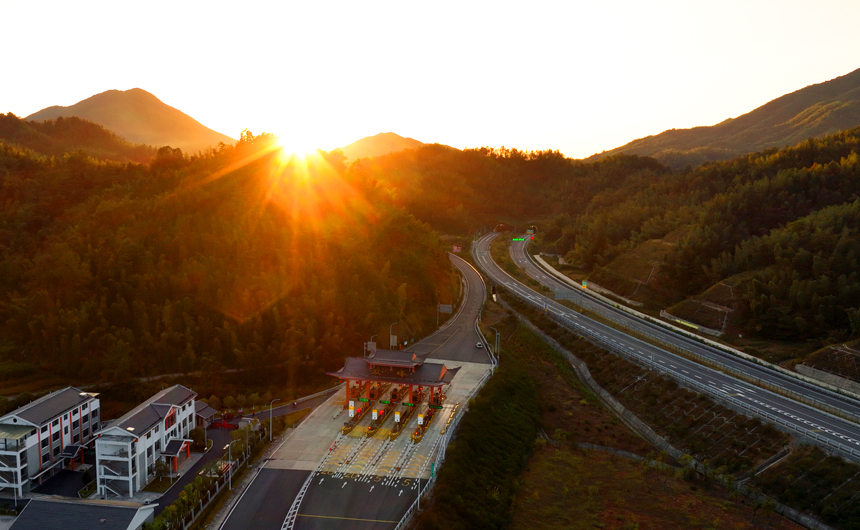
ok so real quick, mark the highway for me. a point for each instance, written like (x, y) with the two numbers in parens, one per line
(320, 479)
(824, 429)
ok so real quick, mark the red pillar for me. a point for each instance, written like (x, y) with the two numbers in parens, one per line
(187, 450)
(367, 390)
(346, 401)
(410, 394)
(174, 462)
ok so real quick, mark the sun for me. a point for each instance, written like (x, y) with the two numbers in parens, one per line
(297, 145)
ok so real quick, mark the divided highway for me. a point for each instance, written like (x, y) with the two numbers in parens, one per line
(820, 427)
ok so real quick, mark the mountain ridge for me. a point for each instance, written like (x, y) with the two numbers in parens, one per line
(378, 145)
(139, 117)
(810, 112)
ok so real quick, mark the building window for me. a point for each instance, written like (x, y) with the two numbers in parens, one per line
(66, 416)
(76, 424)
(95, 413)
(86, 432)
(56, 450)
(74, 413)
(158, 445)
(46, 457)
(85, 406)
(66, 429)
(45, 442)
(55, 422)
(76, 439)
(55, 436)
(149, 435)
(44, 428)
(149, 451)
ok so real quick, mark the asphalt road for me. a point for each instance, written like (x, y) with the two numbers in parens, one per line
(811, 391)
(363, 501)
(819, 427)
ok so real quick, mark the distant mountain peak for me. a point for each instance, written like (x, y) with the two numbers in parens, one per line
(139, 117)
(811, 112)
(378, 145)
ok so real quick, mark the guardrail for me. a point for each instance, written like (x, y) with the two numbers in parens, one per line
(596, 338)
(718, 347)
(442, 443)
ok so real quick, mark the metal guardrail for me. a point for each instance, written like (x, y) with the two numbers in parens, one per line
(442, 443)
(594, 337)
(719, 348)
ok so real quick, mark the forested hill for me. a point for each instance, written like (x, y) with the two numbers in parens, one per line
(776, 231)
(236, 258)
(378, 145)
(68, 135)
(811, 112)
(140, 117)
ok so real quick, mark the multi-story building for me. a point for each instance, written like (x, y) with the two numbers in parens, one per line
(38, 439)
(128, 448)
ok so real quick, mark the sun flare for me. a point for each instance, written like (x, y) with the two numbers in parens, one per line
(298, 146)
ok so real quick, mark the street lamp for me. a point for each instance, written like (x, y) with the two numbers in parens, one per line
(390, 333)
(369, 343)
(230, 459)
(271, 425)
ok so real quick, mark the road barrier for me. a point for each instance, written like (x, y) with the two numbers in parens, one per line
(596, 338)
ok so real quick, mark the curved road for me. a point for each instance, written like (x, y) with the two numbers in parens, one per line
(818, 426)
(363, 483)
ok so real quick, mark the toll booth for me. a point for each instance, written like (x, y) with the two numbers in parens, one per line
(392, 376)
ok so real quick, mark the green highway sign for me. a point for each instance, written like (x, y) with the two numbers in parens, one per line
(409, 404)
(386, 402)
(435, 406)
(363, 399)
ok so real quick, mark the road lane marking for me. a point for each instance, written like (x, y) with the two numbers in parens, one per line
(344, 485)
(345, 518)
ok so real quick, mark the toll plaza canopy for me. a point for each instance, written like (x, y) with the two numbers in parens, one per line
(396, 367)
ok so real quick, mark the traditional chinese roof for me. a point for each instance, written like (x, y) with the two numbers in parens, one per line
(426, 374)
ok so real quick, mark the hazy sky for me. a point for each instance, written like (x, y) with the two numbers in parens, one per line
(577, 76)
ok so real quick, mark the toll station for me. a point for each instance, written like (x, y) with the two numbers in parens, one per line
(391, 377)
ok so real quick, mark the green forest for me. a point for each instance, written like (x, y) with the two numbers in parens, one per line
(778, 224)
(237, 257)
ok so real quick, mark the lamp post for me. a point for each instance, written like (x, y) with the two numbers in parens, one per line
(369, 343)
(271, 425)
(390, 328)
(230, 459)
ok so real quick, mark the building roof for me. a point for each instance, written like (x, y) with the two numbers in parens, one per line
(427, 374)
(49, 406)
(15, 432)
(81, 515)
(144, 416)
(203, 410)
(174, 447)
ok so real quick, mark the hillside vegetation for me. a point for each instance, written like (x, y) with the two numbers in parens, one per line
(814, 111)
(70, 135)
(236, 258)
(777, 229)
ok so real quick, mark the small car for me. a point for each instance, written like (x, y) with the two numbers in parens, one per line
(479, 345)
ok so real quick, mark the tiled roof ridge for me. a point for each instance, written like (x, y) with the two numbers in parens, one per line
(153, 400)
(44, 398)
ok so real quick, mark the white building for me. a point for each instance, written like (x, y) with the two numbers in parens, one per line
(38, 439)
(128, 448)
